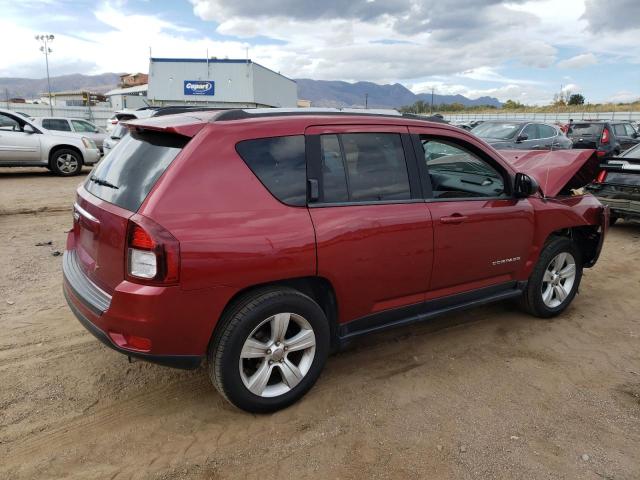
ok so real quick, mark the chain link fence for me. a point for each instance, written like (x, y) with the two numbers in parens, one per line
(543, 116)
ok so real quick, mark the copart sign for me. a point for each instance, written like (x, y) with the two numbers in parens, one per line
(199, 87)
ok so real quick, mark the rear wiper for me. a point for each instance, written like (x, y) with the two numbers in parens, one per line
(102, 182)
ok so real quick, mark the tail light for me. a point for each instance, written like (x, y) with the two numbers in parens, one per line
(153, 254)
(605, 136)
(601, 153)
(602, 176)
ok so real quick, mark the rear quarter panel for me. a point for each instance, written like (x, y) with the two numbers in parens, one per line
(233, 233)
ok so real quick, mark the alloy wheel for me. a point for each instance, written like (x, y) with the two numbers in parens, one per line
(67, 163)
(558, 280)
(277, 354)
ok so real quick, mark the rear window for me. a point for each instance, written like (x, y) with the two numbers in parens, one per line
(585, 129)
(126, 176)
(56, 124)
(280, 164)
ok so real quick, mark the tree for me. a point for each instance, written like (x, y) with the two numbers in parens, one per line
(512, 104)
(576, 99)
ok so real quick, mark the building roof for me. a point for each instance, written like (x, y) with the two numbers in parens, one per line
(215, 60)
(125, 91)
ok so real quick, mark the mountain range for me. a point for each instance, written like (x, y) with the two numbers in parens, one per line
(322, 93)
(327, 93)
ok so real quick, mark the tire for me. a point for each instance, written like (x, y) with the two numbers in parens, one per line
(537, 299)
(253, 326)
(66, 162)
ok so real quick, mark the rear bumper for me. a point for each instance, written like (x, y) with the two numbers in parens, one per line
(92, 307)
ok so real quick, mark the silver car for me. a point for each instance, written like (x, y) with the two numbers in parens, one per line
(76, 125)
(24, 144)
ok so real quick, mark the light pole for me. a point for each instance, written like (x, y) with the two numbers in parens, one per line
(44, 48)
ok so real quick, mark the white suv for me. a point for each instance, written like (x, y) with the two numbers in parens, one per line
(25, 144)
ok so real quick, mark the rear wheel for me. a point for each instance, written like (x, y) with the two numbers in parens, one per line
(66, 162)
(269, 349)
(555, 279)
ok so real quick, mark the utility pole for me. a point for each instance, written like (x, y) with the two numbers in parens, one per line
(431, 107)
(366, 100)
(44, 48)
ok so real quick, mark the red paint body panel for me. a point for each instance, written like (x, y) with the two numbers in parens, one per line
(233, 235)
(493, 230)
(555, 170)
(375, 256)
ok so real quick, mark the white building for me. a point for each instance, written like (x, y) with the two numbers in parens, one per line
(131, 97)
(226, 83)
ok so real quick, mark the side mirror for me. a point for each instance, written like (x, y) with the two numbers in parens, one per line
(522, 137)
(524, 186)
(28, 128)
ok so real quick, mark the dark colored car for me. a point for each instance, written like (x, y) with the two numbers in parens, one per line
(262, 240)
(522, 135)
(618, 185)
(608, 138)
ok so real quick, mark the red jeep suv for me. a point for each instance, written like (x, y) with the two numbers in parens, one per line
(264, 239)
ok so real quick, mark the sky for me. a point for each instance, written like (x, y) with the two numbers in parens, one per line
(524, 50)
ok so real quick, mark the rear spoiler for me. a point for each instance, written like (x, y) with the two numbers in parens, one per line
(184, 125)
(621, 164)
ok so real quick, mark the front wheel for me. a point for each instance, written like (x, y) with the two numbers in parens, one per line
(66, 162)
(269, 350)
(555, 279)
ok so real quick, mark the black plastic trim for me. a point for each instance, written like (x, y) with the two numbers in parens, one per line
(184, 362)
(94, 298)
(430, 309)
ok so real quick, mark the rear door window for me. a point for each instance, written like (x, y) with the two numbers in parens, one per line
(280, 164)
(126, 176)
(619, 130)
(547, 131)
(58, 124)
(531, 131)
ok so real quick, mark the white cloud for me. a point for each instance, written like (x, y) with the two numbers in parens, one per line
(624, 97)
(579, 61)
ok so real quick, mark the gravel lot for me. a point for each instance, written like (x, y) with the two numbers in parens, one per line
(490, 393)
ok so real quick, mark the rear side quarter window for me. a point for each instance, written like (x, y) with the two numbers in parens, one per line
(280, 164)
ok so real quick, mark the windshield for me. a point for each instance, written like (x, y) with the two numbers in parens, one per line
(126, 176)
(497, 130)
(585, 129)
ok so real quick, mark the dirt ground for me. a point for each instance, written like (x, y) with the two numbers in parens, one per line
(490, 393)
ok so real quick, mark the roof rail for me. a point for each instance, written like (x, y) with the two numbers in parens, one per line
(243, 114)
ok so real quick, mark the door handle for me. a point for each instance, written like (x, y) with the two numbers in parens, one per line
(455, 218)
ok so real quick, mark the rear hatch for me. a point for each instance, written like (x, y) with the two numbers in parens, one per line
(585, 135)
(620, 177)
(116, 189)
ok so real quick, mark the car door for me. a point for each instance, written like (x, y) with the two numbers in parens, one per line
(549, 137)
(373, 230)
(16, 145)
(482, 234)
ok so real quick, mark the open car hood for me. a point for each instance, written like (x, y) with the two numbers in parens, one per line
(555, 171)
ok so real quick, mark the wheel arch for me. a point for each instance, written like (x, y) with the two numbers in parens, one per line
(317, 288)
(586, 238)
(64, 147)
